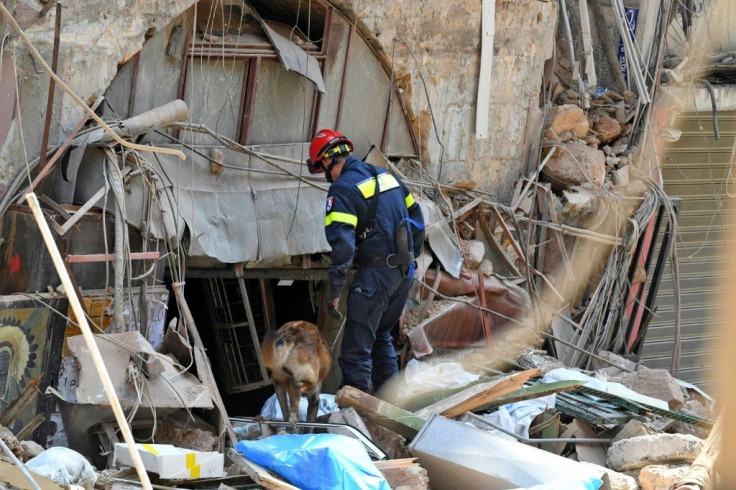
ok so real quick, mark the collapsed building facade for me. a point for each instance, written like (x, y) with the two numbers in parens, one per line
(535, 152)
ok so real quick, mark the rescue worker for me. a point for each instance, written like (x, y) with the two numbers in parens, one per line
(381, 233)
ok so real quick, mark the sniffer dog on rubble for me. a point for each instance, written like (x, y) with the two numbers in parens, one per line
(299, 359)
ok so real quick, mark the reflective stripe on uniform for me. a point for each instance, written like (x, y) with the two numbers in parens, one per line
(341, 218)
(385, 180)
(409, 201)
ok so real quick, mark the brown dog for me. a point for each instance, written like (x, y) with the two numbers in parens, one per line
(299, 360)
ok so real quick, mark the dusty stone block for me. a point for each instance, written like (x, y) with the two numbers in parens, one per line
(633, 428)
(606, 127)
(661, 477)
(693, 407)
(578, 164)
(566, 117)
(31, 449)
(621, 176)
(619, 481)
(473, 251)
(657, 383)
(638, 452)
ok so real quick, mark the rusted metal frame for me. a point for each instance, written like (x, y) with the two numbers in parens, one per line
(485, 227)
(59, 151)
(54, 205)
(232, 55)
(341, 100)
(75, 259)
(484, 314)
(387, 121)
(52, 88)
(248, 99)
(133, 83)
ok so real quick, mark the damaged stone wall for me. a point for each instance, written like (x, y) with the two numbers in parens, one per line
(436, 65)
(436, 62)
(96, 37)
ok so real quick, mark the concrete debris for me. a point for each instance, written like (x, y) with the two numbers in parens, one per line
(637, 452)
(657, 477)
(633, 428)
(577, 164)
(564, 118)
(657, 383)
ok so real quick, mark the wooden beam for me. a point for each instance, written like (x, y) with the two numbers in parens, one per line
(204, 369)
(477, 395)
(258, 473)
(380, 412)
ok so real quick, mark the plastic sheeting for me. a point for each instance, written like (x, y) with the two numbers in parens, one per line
(241, 214)
(272, 410)
(319, 462)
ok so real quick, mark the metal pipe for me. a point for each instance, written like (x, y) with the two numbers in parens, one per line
(573, 440)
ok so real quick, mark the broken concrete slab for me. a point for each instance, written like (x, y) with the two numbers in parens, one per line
(657, 477)
(577, 164)
(566, 117)
(633, 428)
(172, 389)
(638, 452)
(657, 383)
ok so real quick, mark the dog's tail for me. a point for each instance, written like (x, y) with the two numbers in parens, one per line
(268, 348)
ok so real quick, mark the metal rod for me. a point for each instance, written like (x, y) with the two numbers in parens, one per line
(573, 440)
(52, 86)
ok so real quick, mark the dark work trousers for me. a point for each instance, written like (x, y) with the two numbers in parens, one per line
(375, 303)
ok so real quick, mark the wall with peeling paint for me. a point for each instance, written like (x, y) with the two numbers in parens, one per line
(435, 48)
(96, 36)
(435, 52)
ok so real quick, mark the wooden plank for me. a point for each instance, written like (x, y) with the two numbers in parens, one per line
(478, 395)
(380, 412)
(21, 403)
(535, 391)
(204, 369)
(10, 473)
(258, 473)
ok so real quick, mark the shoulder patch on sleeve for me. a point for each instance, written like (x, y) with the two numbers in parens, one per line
(330, 202)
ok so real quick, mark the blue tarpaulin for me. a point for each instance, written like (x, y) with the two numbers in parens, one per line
(316, 461)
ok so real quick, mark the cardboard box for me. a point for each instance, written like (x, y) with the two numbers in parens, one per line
(172, 462)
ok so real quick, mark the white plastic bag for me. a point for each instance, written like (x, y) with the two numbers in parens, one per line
(65, 466)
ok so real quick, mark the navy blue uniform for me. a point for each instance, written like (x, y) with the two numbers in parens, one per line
(378, 293)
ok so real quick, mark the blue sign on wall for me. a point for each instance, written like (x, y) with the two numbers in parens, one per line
(632, 17)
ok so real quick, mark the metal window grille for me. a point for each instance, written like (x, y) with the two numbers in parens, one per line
(237, 336)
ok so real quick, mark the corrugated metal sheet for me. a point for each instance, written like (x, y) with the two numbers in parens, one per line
(695, 169)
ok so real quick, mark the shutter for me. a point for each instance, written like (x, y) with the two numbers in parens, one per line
(695, 169)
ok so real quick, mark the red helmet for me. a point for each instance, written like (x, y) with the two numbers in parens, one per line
(322, 143)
